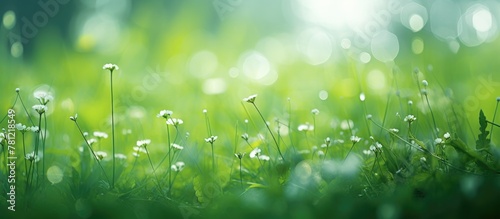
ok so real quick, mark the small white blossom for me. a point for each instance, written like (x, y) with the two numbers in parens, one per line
(100, 155)
(305, 151)
(264, 157)
(33, 129)
(40, 109)
(17, 90)
(305, 127)
(373, 148)
(177, 147)
(211, 139)
(250, 99)
(410, 102)
(143, 143)
(174, 121)
(100, 135)
(164, 113)
(423, 159)
(245, 136)
(355, 139)
(254, 153)
(91, 141)
(447, 135)
(410, 118)
(74, 118)
(139, 149)
(110, 67)
(425, 83)
(239, 155)
(43, 97)
(121, 156)
(32, 157)
(20, 127)
(178, 166)
(367, 152)
(369, 116)
(315, 111)
(378, 145)
(321, 154)
(393, 130)
(438, 141)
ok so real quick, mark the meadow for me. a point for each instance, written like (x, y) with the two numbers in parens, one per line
(171, 110)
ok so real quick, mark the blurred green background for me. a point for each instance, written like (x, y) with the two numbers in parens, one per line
(297, 55)
(187, 56)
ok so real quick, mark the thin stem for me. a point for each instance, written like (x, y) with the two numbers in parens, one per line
(432, 115)
(493, 120)
(91, 150)
(213, 156)
(241, 176)
(154, 171)
(113, 130)
(269, 129)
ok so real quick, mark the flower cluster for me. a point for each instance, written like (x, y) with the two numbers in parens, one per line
(250, 99)
(178, 166)
(110, 67)
(211, 139)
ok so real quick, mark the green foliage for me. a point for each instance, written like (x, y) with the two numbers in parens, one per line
(483, 142)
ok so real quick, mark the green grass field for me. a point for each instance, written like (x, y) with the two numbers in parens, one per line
(249, 109)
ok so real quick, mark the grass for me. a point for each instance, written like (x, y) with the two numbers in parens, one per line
(404, 163)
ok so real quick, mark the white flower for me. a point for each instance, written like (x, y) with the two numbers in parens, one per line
(369, 116)
(438, 141)
(447, 135)
(204, 111)
(91, 141)
(328, 141)
(110, 67)
(2, 137)
(250, 99)
(355, 139)
(100, 135)
(425, 83)
(143, 143)
(373, 148)
(315, 111)
(410, 102)
(121, 156)
(321, 154)
(100, 155)
(423, 159)
(305, 151)
(378, 145)
(254, 153)
(211, 139)
(139, 149)
(43, 97)
(410, 118)
(305, 127)
(338, 141)
(264, 157)
(174, 121)
(164, 113)
(239, 155)
(40, 109)
(33, 129)
(17, 90)
(393, 130)
(178, 166)
(245, 136)
(367, 152)
(362, 97)
(178, 147)
(21, 127)
(135, 154)
(73, 118)
(32, 157)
